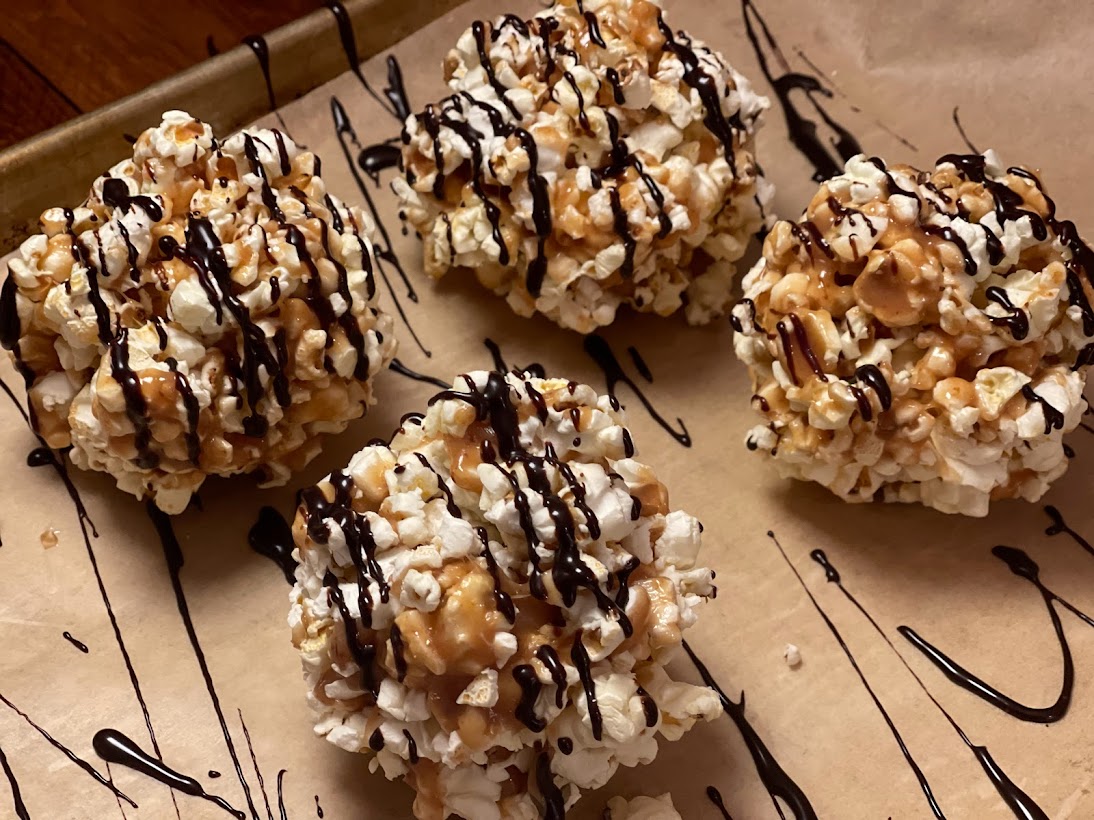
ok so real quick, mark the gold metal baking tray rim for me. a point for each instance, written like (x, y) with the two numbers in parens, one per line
(227, 91)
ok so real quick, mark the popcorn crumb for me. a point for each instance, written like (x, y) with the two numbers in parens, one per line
(580, 166)
(49, 538)
(793, 656)
(641, 808)
(560, 584)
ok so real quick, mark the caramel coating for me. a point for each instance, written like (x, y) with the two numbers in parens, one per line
(579, 165)
(451, 583)
(208, 310)
(920, 336)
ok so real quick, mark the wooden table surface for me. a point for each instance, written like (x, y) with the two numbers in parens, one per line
(60, 58)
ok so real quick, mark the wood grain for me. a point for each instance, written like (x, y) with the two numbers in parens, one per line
(29, 103)
(93, 58)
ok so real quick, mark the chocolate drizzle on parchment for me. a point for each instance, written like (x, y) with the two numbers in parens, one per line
(172, 553)
(916, 770)
(1021, 564)
(86, 524)
(1017, 800)
(779, 785)
(258, 46)
(18, 805)
(114, 747)
(826, 161)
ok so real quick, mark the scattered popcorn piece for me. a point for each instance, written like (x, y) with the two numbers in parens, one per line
(535, 666)
(588, 158)
(921, 336)
(49, 538)
(642, 808)
(793, 656)
(208, 310)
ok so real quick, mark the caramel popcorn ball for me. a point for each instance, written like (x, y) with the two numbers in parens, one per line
(921, 336)
(208, 310)
(588, 158)
(486, 603)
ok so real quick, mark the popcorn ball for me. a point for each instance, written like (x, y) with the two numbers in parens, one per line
(485, 605)
(588, 158)
(921, 336)
(209, 310)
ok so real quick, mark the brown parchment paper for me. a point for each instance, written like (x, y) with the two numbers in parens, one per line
(1019, 72)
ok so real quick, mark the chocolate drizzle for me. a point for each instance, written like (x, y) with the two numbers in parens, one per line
(116, 195)
(530, 687)
(349, 47)
(75, 642)
(1054, 419)
(86, 524)
(114, 747)
(398, 367)
(580, 658)
(715, 797)
(950, 235)
(802, 130)
(384, 253)
(257, 44)
(649, 707)
(1015, 318)
(271, 537)
(502, 600)
(704, 84)
(548, 656)
(1017, 800)
(918, 772)
(1025, 567)
(494, 405)
(72, 756)
(1059, 526)
(601, 352)
(174, 559)
(412, 746)
(39, 457)
(554, 802)
(774, 778)
(135, 407)
(16, 795)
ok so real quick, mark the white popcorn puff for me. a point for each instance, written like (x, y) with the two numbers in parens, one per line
(642, 808)
(921, 336)
(490, 599)
(588, 158)
(209, 310)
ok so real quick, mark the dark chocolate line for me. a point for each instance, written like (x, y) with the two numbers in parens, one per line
(961, 131)
(802, 131)
(601, 352)
(1019, 562)
(271, 537)
(85, 522)
(257, 44)
(349, 47)
(281, 795)
(20, 807)
(114, 747)
(1060, 526)
(924, 784)
(75, 642)
(1017, 800)
(344, 128)
(254, 762)
(398, 367)
(715, 797)
(775, 779)
(172, 554)
(94, 773)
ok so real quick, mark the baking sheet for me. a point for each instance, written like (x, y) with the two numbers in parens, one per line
(895, 73)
